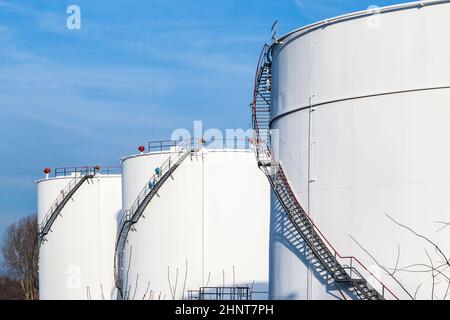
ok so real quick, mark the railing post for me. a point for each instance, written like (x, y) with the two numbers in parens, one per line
(335, 265)
(351, 267)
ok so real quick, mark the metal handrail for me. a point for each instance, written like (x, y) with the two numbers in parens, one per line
(63, 193)
(221, 293)
(162, 145)
(165, 166)
(259, 71)
(70, 171)
(210, 143)
(360, 14)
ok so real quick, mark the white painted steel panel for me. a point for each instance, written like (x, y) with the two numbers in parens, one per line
(76, 262)
(212, 217)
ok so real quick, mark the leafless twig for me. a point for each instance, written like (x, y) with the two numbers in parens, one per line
(146, 290)
(101, 290)
(185, 279)
(382, 267)
(417, 290)
(432, 275)
(208, 279)
(173, 290)
(444, 256)
(127, 294)
(446, 291)
(135, 286)
(445, 225)
(398, 259)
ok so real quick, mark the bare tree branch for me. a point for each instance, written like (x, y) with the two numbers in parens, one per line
(185, 279)
(207, 280)
(432, 275)
(444, 256)
(446, 291)
(417, 290)
(445, 225)
(127, 294)
(170, 284)
(136, 286)
(146, 290)
(173, 290)
(398, 259)
(19, 250)
(382, 267)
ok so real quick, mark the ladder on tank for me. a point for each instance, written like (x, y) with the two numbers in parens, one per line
(65, 195)
(132, 216)
(325, 255)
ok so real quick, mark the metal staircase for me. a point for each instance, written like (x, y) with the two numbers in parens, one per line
(132, 216)
(66, 194)
(346, 272)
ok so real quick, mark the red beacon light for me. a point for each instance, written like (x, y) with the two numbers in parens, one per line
(47, 172)
(141, 149)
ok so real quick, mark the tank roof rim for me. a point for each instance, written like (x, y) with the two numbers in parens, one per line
(356, 15)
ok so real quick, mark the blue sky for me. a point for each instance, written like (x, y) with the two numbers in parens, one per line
(134, 72)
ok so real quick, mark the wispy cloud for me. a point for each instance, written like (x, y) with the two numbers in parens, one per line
(45, 20)
(50, 120)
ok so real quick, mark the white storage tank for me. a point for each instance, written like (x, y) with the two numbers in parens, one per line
(361, 107)
(208, 226)
(77, 255)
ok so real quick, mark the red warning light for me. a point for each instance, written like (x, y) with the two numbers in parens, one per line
(47, 170)
(141, 148)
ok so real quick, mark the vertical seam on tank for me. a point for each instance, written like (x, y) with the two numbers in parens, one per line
(100, 224)
(203, 219)
(309, 271)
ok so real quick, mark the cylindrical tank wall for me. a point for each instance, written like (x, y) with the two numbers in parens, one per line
(360, 119)
(76, 262)
(208, 226)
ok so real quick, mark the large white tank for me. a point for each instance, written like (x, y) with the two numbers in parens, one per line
(77, 257)
(208, 226)
(361, 104)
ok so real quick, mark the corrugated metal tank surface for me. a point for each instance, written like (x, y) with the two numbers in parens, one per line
(76, 260)
(208, 226)
(375, 141)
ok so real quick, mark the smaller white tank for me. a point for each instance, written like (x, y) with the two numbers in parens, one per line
(207, 227)
(76, 257)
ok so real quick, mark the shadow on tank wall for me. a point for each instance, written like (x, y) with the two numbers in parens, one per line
(283, 232)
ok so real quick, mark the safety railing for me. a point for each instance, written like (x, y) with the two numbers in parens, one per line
(73, 171)
(163, 145)
(220, 293)
(81, 174)
(159, 172)
(210, 143)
